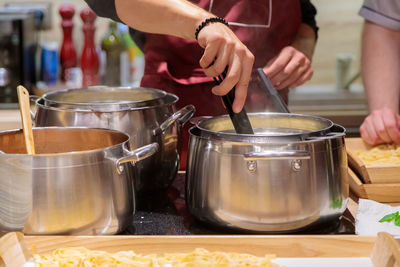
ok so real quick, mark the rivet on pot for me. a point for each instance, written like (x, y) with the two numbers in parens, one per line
(296, 165)
(120, 169)
(252, 166)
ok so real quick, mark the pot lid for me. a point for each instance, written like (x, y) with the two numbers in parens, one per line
(103, 95)
(268, 125)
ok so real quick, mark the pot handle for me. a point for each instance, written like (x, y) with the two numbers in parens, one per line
(33, 98)
(336, 131)
(295, 155)
(270, 154)
(326, 136)
(181, 116)
(136, 155)
(197, 120)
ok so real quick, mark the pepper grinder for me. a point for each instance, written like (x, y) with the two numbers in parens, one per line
(68, 58)
(89, 58)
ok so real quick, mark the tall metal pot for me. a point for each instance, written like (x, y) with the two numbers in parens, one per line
(80, 181)
(266, 182)
(151, 118)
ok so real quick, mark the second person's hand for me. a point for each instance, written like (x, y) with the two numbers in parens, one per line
(289, 69)
(381, 126)
(221, 49)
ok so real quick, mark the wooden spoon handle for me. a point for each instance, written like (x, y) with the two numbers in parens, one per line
(24, 107)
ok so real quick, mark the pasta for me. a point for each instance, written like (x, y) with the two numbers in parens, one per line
(82, 257)
(388, 154)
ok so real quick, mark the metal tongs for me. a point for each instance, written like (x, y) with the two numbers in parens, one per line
(279, 104)
(240, 120)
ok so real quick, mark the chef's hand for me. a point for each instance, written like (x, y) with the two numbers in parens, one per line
(289, 69)
(381, 126)
(222, 45)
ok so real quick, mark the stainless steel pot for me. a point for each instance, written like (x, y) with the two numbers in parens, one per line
(79, 182)
(263, 183)
(147, 115)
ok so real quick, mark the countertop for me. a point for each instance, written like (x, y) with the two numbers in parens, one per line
(346, 107)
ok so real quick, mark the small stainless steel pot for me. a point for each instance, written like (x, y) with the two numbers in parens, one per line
(147, 115)
(77, 183)
(265, 183)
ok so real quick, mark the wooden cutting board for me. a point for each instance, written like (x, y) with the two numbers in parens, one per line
(386, 193)
(389, 174)
(292, 251)
(281, 245)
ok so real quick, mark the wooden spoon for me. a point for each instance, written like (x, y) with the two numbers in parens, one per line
(25, 108)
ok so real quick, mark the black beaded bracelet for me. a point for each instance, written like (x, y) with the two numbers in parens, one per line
(207, 21)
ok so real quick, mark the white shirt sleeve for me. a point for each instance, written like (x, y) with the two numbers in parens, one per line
(383, 12)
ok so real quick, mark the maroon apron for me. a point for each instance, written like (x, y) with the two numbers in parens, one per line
(172, 63)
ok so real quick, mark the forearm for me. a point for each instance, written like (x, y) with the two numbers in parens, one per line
(381, 66)
(172, 17)
(305, 40)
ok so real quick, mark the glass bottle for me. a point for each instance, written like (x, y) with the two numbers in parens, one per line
(113, 46)
(135, 57)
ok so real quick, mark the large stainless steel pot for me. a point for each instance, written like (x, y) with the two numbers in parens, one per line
(147, 115)
(79, 182)
(268, 182)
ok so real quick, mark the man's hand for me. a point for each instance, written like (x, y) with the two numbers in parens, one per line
(381, 126)
(221, 49)
(289, 69)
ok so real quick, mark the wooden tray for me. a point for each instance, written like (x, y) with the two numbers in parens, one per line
(378, 192)
(370, 174)
(282, 246)
(295, 250)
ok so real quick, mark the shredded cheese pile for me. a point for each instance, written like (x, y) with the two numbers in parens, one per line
(82, 257)
(388, 154)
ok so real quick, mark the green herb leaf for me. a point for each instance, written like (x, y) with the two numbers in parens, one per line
(397, 220)
(389, 217)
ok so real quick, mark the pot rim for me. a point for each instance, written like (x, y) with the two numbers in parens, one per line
(171, 99)
(48, 96)
(71, 153)
(236, 136)
(272, 140)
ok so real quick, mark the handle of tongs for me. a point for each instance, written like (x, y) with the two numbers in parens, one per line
(275, 97)
(240, 120)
